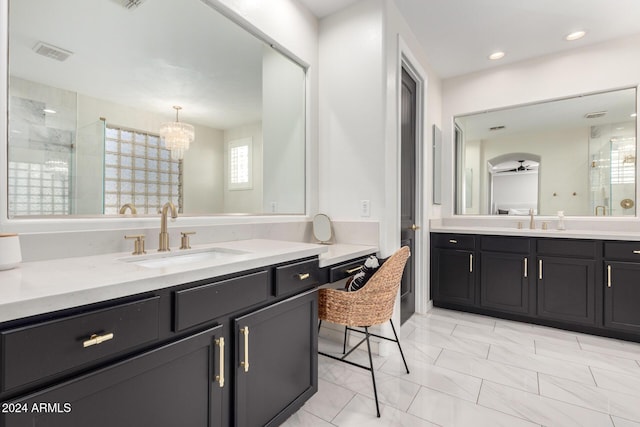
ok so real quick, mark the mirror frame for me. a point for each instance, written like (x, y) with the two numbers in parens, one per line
(454, 192)
(100, 222)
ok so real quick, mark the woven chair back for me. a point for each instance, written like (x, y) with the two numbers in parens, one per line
(373, 303)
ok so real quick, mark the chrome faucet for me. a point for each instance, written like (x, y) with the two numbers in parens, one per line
(532, 222)
(164, 235)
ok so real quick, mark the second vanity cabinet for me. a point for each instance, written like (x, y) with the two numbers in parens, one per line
(579, 284)
(239, 350)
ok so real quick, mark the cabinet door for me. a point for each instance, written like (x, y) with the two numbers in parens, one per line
(453, 276)
(566, 289)
(504, 282)
(277, 360)
(174, 385)
(622, 296)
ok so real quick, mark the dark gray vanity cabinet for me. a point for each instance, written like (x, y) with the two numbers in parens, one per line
(276, 360)
(566, 274)
(453, 277)
(238, 350)
(622, 286)
(586, 285)
(505, 273)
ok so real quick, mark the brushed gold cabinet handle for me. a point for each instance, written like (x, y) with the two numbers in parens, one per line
(353, 270)
(97, 339)
(526, 267)
(470, 263)
(540, 269)
(608, 276)
(453, 241)
(636, 252)
(245, 331)
(303, 276)
(220, 378)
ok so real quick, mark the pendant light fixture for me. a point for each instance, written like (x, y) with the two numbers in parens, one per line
(177, 136)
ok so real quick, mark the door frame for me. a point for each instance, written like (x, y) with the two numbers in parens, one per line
(408, 61)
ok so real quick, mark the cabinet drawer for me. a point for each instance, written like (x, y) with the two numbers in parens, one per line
(208, 302)
(567, 247)
(453, 241)
(44, 349)
(343, 271)
(297, 277)
(625, 251)
(505, 244)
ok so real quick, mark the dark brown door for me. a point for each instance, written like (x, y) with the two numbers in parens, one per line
(408, 189)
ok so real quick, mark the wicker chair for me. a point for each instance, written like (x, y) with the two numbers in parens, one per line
(368, 306)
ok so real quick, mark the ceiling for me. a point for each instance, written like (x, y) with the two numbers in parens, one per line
(459, 35)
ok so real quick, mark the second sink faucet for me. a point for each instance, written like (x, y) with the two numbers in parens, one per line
(164, 235)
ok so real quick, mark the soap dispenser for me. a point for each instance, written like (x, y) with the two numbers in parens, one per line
(561, 220)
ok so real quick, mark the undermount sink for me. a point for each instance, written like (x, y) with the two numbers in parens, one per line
(168, 259)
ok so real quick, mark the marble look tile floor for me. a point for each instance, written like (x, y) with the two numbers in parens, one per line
(470, 370)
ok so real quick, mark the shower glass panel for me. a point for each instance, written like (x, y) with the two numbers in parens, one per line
(612, 174)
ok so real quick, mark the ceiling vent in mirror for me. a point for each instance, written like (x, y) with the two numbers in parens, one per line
(595, 114)
(51, 51)
(129, 4)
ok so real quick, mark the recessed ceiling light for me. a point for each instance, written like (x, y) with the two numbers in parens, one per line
(575, 35)
(496, 55)
(49, 111)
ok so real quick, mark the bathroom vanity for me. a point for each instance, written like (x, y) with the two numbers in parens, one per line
(583, 284)
(207, 343)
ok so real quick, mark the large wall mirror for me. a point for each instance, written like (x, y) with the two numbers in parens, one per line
(576, 155)
(92, 82)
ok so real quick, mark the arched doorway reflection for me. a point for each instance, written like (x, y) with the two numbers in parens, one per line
(514, 180)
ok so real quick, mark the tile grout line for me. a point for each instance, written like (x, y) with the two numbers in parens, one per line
(593, 376)
(479, 391)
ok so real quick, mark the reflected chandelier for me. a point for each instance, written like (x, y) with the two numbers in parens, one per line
(177, 136)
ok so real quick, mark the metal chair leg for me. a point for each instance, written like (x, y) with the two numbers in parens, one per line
(344, 343)
(373, 376)
(399, 346)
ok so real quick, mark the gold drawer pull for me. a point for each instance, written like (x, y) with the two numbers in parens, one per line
(608, 276)
(353, 270)
(470, 263)
(636, 252)
(526, 267)
(245, 331)
(453, 241)
(303, 276)
(220, 378)
(97, 339)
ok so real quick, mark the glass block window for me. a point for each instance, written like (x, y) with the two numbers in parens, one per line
(240, 164)
(38, 189)
(623, 160)
(139, 170)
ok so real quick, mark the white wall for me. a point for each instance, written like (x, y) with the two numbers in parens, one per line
(594, 68)
(359, 110)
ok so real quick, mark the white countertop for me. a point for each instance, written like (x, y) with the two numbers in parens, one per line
(43, 286)
(340, 252)
(525, 232)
